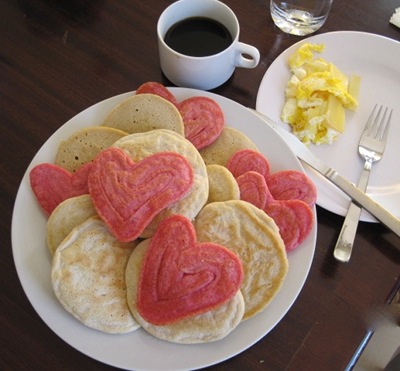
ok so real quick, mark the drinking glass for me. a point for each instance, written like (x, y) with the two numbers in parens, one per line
(300, 17)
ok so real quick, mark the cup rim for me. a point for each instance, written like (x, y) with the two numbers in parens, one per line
(226, 8)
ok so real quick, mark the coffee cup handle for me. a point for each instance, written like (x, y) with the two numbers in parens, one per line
(247, 56)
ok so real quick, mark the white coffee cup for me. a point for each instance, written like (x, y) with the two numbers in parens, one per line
(203, 72)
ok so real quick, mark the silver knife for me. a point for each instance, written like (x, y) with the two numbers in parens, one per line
(359, 197)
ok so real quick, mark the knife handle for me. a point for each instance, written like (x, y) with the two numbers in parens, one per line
(345, 242)
(380, 213)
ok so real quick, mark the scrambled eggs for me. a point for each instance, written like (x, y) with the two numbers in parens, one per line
(317, 95)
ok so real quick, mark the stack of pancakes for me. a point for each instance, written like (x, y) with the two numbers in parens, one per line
(96, 277)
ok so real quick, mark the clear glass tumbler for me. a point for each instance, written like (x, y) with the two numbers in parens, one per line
(300, 17)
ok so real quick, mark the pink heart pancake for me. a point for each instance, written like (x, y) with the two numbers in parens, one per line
(180, 278)
(156, 88)
(294, 219)
(203, 119)
(253, 189)
(292, 185)
(53, 184)
(248, 160)
(127, 195)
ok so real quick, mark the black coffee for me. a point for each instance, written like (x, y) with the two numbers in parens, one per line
(198, 37)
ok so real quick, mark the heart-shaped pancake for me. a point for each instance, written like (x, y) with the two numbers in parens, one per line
(248, 160)
(294, 217)
(53, 184)
(203, 119)
(292, 185)
(182, 278)
(253, 189)
(141, 145)
(128, 195)
(152, 87)
(209, 326)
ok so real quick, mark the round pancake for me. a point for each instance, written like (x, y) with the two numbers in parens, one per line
(222, 184)
(141, 145)
(145, 112)
(88, 277)
(83, 146)
(227, 144)
(210, 326)
(65, 217)
(254, 237)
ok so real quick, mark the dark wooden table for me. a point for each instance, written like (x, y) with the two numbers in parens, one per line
(58, 57)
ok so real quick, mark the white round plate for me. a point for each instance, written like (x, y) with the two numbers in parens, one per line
(139, 350)
(376, 59)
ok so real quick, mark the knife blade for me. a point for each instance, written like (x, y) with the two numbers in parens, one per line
(359, 197)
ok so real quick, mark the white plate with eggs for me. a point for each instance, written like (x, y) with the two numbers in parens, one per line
(376, 59)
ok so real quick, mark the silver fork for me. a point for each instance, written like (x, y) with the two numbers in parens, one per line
(371, 147)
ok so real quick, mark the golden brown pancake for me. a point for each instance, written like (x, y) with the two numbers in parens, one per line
(223, 185)
(65, 217)
(145, 112)
(254, 237)
(228, 143)
(82, 146)
(88, 277)
(209, 326)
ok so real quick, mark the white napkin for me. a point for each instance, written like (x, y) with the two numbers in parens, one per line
(395, 19)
